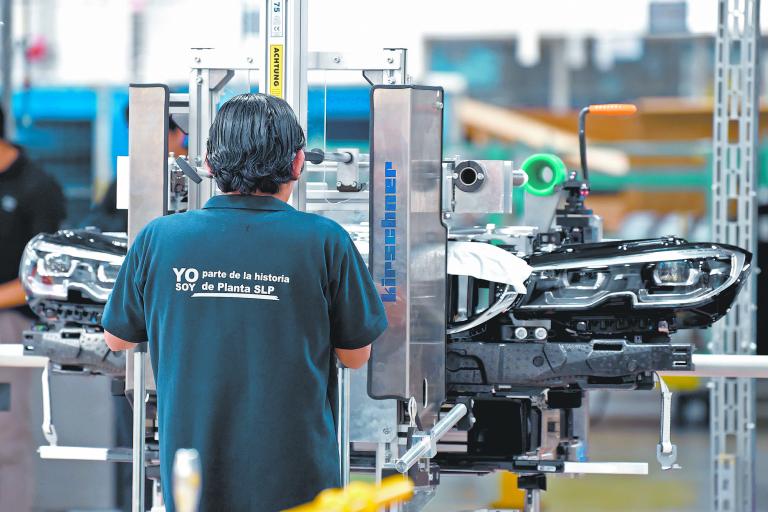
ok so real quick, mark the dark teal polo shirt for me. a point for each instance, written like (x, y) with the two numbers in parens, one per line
(242, 303)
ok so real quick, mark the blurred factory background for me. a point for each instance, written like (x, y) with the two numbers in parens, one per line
(516, 72)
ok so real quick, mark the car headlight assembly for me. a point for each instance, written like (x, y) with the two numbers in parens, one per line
(668, 274)
(54, 265)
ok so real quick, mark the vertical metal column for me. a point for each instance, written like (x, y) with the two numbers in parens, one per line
(139, 427)
(284, 70)
(734, 211)
(6, 64)
(344, 378)
(205, 84)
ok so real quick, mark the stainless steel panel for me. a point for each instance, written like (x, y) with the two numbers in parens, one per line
(408, 246)
(148, 157)
(371, 421)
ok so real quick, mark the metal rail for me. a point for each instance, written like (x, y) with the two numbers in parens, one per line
(724, 365)
(426, 446)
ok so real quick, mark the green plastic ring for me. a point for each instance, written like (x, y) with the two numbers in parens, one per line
(534, 167)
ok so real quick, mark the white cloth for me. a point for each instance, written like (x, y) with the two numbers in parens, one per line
(488, 262)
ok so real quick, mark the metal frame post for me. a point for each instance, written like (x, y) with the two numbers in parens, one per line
(285, 65)
(139, 427)
(734, 216)
(6, 64)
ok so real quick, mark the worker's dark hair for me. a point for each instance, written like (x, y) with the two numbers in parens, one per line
(252, 144)
(2, 123)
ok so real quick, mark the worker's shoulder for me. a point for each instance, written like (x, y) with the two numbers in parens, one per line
(161, 227)
(321, 226)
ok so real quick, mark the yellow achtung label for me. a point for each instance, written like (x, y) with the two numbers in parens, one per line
(276, 70)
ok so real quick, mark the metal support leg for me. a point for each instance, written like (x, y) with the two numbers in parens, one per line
(49, 430)
(139, 427)
(532, 500)
(343, 425)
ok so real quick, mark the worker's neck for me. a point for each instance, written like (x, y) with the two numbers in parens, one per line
(283, 194)
(8, 154)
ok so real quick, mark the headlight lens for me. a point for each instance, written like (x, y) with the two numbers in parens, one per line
(55, 265)
(675, 273)
(107, 272)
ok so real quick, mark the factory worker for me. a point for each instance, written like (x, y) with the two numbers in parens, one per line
(31, 202)
(244, 304)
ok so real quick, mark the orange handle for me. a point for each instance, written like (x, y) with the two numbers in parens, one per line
(613, 109)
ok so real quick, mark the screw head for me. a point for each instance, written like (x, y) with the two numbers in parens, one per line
(521, 333)
(338, 183)
(199, 80)
(390, 60)
(540, 333)
(249, 60)
(337, 60)
(390, 80)
(538, 361)
(197, 59)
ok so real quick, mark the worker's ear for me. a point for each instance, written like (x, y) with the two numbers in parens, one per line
(298, 164)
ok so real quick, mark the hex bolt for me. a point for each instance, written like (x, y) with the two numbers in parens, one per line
(538, 361)
(521, 333)
(540, 333)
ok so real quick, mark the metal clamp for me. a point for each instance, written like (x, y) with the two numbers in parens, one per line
(666, 452)
(425, 444)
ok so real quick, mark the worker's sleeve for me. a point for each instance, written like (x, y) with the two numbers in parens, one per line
(50, 208)
(124, 312)
(357, 314)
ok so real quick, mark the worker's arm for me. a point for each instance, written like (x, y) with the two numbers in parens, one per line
(12, 294)
(117, 344)
(354, 358)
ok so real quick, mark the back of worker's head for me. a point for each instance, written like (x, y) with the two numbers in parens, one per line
(2, 123)
(252, 144)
